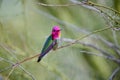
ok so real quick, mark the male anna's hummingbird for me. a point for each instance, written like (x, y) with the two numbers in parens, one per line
(51, 42)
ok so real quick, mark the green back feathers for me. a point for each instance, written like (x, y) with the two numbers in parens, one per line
(47, 43)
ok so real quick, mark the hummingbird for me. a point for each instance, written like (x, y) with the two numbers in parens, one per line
(51, 43)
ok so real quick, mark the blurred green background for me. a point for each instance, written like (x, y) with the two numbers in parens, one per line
(24, 26)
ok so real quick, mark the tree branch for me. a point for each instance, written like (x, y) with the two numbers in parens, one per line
(106, 54)
(114, 73)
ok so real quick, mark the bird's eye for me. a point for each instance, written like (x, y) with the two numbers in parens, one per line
(53, 30)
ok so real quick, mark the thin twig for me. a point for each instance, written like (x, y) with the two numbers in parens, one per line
(24, 60)
(12, 63)
(116, 48)
(95, 54)
(55, 5)
(6, 68)
(85, 36)
(10, 73)
(114, 73)
(115, 37)
(85, 2)
(91, 53)
(98, 5)
(106, 54)
(91, 6)
(33, 78)
(6, 60)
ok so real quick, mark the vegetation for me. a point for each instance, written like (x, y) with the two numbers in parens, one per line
(90, 48)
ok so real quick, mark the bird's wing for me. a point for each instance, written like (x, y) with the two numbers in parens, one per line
(47, 43)
(47, 50)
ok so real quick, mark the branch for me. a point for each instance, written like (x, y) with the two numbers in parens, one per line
(114, 73)
(55, 5)
(13, 65)
(24, 60)
(7, 78)
(6, 68)
(106, 57)
(29, 74)
(111, 45)
(96, 7)
(106, 54)
(100, 55)
(92, 6)
(85, 36)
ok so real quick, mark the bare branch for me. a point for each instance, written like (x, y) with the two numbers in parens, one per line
(94, 54)
(57, 5)
(96, 7)
(29, 74)
(85, 36)
(114, 73)
(116, 48)
(84, 4)
(24, 60)
(6, 68)
(10, 73)
(106, 54)
(100, 55)
(6, 60)
(92, 6)
(14, 65)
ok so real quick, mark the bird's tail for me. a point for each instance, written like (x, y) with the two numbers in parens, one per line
(40, 57)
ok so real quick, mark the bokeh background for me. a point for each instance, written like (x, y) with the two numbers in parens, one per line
(24, 26)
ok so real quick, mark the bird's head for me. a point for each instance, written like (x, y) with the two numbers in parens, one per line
(56, 32)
